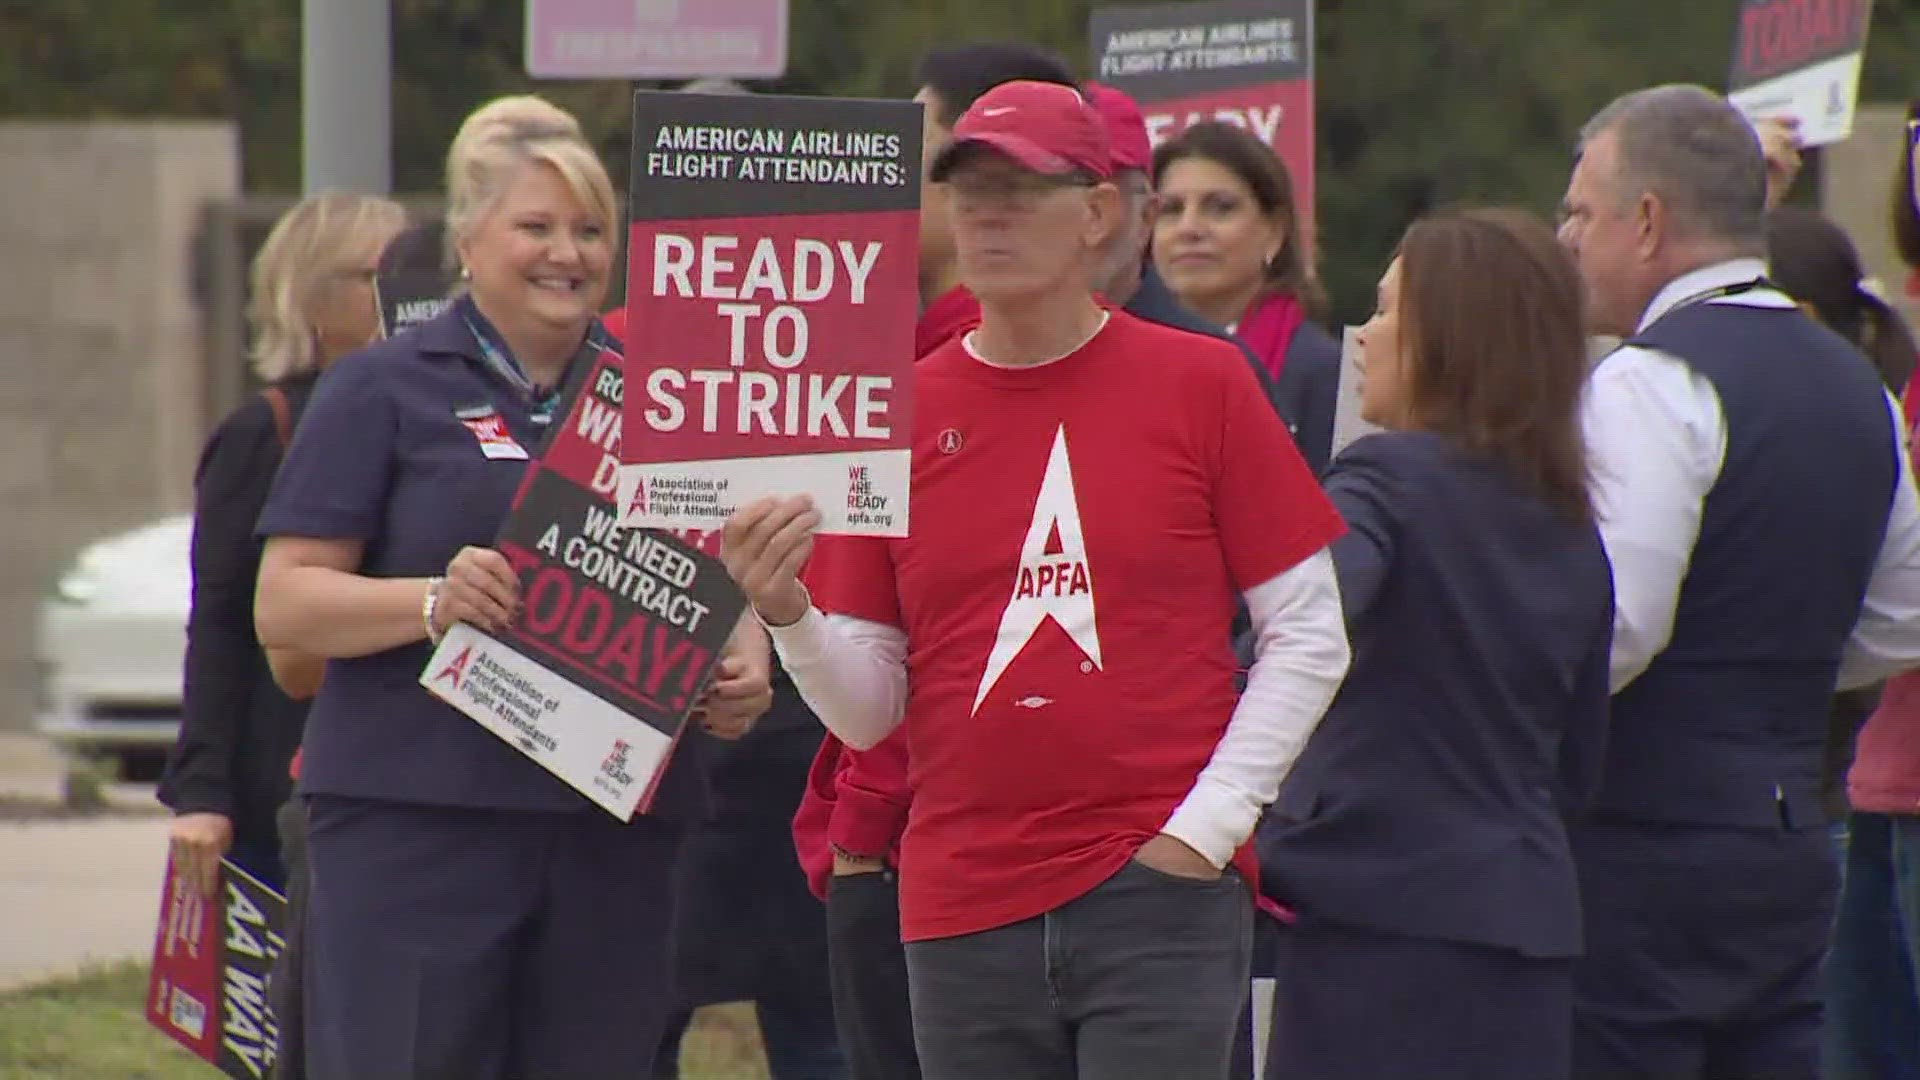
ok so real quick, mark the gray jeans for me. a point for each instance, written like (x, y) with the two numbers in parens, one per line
(1145, 976)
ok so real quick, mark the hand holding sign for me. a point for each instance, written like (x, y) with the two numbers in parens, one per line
(1780, 142)
(741, 691)
(199, 842)
(480, 590)
(765, 544)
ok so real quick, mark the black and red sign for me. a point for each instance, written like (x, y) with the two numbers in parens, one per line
(619, 628)
(772, 288)
(1244, 62)
(407, 298)
(208, 987)
(1800, 58)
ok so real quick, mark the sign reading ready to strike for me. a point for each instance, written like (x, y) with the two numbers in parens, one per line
(771, 294)
(1243, 62)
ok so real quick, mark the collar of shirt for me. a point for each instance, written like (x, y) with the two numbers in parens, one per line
(1708, 278)
(499, 359)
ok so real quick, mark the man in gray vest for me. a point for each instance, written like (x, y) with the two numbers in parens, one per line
(1757, 506)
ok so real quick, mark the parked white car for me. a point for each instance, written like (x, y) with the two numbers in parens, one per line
(112, 639)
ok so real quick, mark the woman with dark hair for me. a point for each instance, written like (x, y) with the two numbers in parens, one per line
(1812, 260)
(1420, 837)
(1227, 241)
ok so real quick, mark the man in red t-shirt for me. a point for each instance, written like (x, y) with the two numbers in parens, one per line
(854, 810)
(1074, 879)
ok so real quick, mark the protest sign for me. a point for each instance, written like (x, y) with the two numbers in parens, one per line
(208, 987)
(1800, 58)
(656, 39)
(618, 631)
(772, 288)
(1348, 424)
(407, 298)
(1245, 62)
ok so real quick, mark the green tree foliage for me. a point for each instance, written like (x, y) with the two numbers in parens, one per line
(1422, 103)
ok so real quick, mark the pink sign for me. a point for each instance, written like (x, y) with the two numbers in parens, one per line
(656, 39)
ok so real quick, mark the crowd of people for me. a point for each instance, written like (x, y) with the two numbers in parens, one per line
(1514, 740)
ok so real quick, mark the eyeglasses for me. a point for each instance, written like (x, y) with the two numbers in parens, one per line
(1017, 191)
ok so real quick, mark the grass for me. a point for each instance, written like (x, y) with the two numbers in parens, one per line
(93, 1027)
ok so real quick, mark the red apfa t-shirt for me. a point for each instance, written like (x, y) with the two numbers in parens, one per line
(1080, 532)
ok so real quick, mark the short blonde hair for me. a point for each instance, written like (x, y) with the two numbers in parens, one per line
(507, 133)
(307, 247)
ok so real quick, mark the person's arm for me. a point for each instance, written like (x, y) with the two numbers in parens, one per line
(742, 687)
(231, 483)
(1301, 656)
(872, 797)
(329, 500)
(851, 668)
(1886, 640)
(851, 672)
(297, 674)
(1780, 145)
(1362, 490)
(1274, 526)
(1583, 745)
(311, 598)
(1656, 438)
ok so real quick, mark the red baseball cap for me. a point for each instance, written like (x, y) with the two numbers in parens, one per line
(1046, 127)
(1126, 128)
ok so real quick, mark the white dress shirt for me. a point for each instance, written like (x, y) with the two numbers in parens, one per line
(853, 674)
(1657, 439)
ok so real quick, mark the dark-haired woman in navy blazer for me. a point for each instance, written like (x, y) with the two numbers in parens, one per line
(1420, 836)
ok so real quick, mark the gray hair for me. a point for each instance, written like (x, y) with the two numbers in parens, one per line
(1694, 151)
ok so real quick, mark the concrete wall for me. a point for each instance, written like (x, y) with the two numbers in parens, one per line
(100, 345)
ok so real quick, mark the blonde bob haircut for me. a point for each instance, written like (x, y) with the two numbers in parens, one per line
(505, 135)
(307, 251)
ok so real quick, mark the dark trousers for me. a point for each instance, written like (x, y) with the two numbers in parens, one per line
(1704, 950)
(1352, 1002)
(461, 944)
(1872, 1029)
(286, 985)
(1145, 977)
(868, 968)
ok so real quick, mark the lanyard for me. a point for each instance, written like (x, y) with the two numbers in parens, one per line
(499, 359)
(1708, 295)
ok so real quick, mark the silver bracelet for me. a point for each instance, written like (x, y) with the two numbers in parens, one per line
(428, 605)
(762, 619)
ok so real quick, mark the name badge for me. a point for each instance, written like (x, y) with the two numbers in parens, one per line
(490, 428)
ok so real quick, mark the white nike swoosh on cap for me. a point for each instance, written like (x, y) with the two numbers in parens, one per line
(996, 112)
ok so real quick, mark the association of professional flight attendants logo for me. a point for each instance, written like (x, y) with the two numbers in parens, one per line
(1054, 580)
(456, 670)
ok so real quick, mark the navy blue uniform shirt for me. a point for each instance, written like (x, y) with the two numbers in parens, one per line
(1429, 801)
(382, 457)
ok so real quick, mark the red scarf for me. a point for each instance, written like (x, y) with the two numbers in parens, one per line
(1268, 327)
